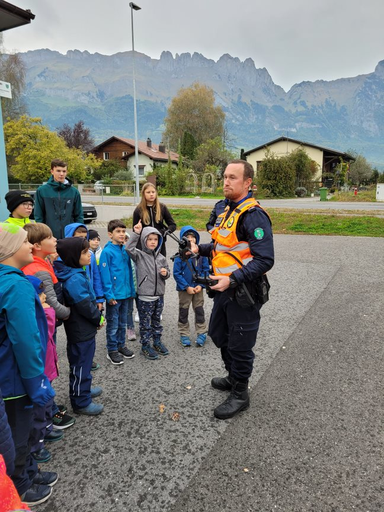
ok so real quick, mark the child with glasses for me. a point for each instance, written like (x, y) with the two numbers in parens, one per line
(20, 206)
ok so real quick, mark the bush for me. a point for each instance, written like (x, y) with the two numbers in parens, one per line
(301, 192)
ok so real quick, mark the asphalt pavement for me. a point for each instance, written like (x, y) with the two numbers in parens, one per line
(312, 438)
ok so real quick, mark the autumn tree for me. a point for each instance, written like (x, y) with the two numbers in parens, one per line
(12, 70)
(212, 153)
(360, 171)
(193, 111)
(77, 136)
(305, 168)
(31, 146)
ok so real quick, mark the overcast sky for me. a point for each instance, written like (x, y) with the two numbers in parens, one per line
(294, 40)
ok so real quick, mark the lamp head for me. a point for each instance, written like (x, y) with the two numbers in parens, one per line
(133, 6)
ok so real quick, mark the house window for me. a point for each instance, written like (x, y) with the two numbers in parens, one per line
(125, 153)
(106, 156)
(141, 170)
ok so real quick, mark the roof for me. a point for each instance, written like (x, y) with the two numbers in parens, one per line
(345, 156)
(152, 152)
(12, 16)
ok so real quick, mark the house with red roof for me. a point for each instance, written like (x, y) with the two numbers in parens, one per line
(123, 150)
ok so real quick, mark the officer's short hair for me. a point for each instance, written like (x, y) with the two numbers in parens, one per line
(248, 169)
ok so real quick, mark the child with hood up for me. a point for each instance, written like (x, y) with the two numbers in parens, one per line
(152, 270)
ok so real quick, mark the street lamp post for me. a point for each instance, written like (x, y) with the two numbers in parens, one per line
(135, 7)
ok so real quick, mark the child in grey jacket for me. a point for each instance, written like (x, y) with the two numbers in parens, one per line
(152, 270)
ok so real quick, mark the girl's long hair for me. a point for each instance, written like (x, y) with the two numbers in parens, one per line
(144, 213)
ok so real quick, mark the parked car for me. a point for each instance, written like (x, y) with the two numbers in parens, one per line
(89, 210)
(98, 186)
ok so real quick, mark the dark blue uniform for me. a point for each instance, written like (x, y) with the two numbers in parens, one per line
(232, 328)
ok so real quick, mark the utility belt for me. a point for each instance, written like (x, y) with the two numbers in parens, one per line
(249, 295)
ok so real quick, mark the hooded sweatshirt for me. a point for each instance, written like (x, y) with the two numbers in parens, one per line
(57, 205)
(148, 263)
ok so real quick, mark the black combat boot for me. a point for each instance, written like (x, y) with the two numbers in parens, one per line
(222, 383)
(237, 401)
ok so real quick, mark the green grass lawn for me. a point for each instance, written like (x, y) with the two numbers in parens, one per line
(295, 222)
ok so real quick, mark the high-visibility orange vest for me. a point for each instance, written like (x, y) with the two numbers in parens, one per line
(229, 253)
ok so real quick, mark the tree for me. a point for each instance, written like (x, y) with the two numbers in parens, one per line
(193, 111)
(12, 70)
(31, 146)
(212, 153)
(305, 168)
(77, 137)
(277, 176)
(360, 171)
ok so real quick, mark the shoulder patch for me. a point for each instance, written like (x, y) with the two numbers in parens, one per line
(104, 264)
(259, 233)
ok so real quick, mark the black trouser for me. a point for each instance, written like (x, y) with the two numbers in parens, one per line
(234, 330)
(20, 412)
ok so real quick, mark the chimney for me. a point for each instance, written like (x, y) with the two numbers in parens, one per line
(162, 147)
(149, 142)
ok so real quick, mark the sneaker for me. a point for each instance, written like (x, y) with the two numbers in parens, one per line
(115, 357)
(125, 352)
(148, 352)
(91, 410)
(45, 478)
(95, 366)
(36, 494)
(201, 338)
(131, 335)
(185, 341)
(53, 436)
(137, 319)
(160, 348)
(96, 391)
(61, 420)
(41, 455)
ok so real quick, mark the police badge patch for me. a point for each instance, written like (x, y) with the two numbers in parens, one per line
(259, 233)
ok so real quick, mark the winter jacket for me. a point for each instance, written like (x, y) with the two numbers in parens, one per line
(92, 270)
(7, 448)
(148, 263)
(79, 295)
(22, 349)
(219, 207)
(116, 273)
(44, 271)
(57, 205)
(166, 223)
(182, 272)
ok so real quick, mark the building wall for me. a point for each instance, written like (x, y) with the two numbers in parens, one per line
(283, 148)
(116, 150)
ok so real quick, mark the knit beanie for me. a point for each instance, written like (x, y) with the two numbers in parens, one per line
(92, 233)
(14, 198)
(70, 249)
(12, 238)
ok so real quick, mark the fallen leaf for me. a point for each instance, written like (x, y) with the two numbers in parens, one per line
(188, 387)
(161, 408)
(246, 470)
(175, 416)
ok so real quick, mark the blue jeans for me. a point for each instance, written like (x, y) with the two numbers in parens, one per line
(116, 324)
(149, 314)
(130, 324)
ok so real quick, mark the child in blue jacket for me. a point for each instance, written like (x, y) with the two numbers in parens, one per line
(119, 290)
(82, 324)
(191, 292)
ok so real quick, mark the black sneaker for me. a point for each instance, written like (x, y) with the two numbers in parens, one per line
(45, 478)
(161, 348)
(115, 357)
(62, 408)
(37, 494)
(60, 421)
(42, 455)
(125, 352)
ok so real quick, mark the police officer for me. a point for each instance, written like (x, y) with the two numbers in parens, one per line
(242, 252)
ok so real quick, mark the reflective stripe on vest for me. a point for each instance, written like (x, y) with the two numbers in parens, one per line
(228, 248)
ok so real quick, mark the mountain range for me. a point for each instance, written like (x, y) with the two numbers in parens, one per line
(342, 114)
